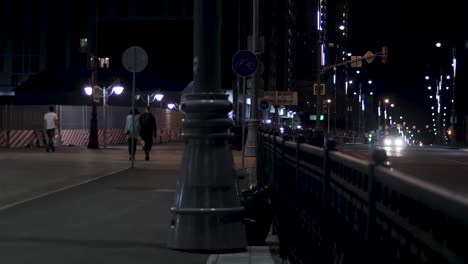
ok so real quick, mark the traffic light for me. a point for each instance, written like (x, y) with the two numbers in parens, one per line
(384, 54)
(325, 107)
(319, 88)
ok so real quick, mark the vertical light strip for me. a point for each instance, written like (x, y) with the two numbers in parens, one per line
(318, 19)
(323, 54)
(454, 66)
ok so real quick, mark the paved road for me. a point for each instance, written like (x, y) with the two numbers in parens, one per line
(119, 218)
(443, 166)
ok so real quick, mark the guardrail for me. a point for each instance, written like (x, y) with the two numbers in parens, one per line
(333, 208)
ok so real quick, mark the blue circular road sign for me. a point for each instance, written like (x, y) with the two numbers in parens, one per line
(264, 105)
(244, 63)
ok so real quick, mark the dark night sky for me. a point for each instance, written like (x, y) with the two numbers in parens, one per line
(410, 30)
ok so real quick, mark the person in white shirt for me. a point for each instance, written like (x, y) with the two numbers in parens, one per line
(50, 124)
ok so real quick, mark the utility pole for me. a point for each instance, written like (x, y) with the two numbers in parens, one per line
(92, 60)
(318, 77)
(453, 119)
(253, 124)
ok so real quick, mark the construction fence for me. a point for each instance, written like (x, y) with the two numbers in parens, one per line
(23, 125)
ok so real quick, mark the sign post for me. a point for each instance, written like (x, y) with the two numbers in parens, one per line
(244, 64)
(134, 59)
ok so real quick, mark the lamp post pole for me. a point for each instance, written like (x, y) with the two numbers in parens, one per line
(253, 123)
(204, 215)
(453, 140)
(93, 129)
(104, 103)
(385, 117)
(318, 76)
(328, 113)
(378, 117)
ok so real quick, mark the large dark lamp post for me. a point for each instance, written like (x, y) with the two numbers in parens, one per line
(207, 213)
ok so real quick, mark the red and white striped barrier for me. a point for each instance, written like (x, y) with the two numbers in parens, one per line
(22, 138)
(77, 137)
(3, 139)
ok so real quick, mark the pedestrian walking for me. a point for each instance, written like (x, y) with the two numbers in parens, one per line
(132, 128)
(50, 125)
(147, 130)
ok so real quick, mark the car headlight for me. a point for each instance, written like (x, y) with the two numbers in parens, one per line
(399, 142)
(387, 142)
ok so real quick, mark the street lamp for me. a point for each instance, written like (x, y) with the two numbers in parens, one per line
(105, 92)
(173, 106)
(159, 97)
(453, 139)
(149, 97)
(386, 101)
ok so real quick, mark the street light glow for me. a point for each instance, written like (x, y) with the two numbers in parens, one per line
(159, 97)
(88, 90)
(118, 89)
(438, 44)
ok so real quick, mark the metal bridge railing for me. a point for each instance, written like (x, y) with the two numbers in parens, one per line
(333, 208)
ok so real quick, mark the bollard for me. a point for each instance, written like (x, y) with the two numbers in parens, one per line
(331, 144)
(379, 156)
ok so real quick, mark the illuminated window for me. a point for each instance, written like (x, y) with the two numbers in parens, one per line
(83, 45)
(104, 62)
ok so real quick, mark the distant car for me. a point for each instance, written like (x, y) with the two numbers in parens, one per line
(394, 141)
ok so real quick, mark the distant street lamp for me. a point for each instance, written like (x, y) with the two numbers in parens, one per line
(173, 106)
(149, 97)
(453, 139)
(105, 92)
(159, 97)
(386, 101)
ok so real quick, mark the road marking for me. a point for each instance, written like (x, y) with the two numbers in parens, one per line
(165, 190)
(255, 254)
(456, 161)
(10, 205)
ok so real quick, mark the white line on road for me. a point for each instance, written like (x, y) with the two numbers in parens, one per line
(10, 205)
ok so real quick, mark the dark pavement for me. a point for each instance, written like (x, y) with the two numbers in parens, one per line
(87, 206)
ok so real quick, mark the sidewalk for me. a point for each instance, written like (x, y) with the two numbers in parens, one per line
(80, 205)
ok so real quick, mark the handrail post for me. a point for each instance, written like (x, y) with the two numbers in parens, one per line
(330, 146)
(273, 158)
(379, 158)
(260, 160)
(284, 243)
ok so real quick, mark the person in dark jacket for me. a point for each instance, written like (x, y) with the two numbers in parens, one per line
(147, 130)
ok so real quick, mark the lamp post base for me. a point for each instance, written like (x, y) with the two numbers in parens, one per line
(93, 135)
(251, 141)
